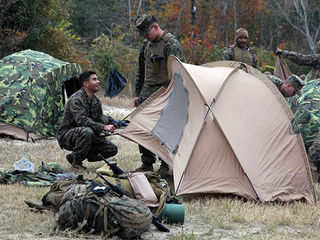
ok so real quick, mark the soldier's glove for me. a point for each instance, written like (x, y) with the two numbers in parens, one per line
(156, 58)
(278, 51)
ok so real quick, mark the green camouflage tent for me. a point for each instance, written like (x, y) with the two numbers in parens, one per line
(32, 93)
(306, 109)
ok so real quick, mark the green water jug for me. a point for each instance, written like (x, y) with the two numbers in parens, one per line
(173, 213)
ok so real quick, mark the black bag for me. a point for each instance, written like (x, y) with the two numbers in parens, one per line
(115, 83)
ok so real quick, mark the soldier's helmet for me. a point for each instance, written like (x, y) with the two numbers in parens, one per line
(296, 82)
(50, 168)
(143, 22)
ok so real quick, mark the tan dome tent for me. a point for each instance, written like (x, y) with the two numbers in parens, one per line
(224, 128)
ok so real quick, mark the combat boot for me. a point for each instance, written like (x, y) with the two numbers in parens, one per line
(75, 164)
(164, 170)
(145, 167)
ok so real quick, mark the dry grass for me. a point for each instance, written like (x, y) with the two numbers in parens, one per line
(206, 218)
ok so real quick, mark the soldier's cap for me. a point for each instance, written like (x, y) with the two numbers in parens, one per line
(241, 32)
(144, 22)
(296, 82)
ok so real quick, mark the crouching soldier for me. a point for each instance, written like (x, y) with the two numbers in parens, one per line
(290, 87)
(82, 127)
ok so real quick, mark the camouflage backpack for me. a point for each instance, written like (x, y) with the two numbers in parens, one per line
(95, 208)
(160, 187)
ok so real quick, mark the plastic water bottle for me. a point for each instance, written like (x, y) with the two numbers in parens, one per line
(24, 165)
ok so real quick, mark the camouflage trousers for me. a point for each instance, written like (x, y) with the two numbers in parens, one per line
(83, 144)
(314, 153)
(146, 91)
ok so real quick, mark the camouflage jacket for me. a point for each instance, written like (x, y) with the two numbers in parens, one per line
(276, 81)
(80, 111)
(228, 55)
(312, 60)
(172, 47)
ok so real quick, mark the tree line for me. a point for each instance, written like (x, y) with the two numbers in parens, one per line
(101, 34)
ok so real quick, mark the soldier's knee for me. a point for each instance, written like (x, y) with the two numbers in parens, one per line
(87, 134)
(114, 150)
(88, 131)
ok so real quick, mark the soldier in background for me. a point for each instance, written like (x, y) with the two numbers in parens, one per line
(81, 130)
(240, 50)
(153, 73)
(312, 60)
(290, 87)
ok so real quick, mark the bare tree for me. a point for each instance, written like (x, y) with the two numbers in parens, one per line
(129, 11)
(303, 16)
(235, 14)
(139, 6)
(176, 30)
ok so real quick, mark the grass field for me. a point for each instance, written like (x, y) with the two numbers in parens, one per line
(206, 218)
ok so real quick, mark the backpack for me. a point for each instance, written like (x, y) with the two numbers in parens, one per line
(57, 191)
(159, 186)
(95, 208)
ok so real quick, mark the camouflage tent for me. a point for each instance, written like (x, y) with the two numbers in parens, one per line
(306, 109)
(31, 93)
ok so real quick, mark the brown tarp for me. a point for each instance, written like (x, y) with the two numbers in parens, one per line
(281, 70)
(17, 133)
(237, 138)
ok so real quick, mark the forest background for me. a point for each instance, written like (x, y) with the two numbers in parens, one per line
(99, 34)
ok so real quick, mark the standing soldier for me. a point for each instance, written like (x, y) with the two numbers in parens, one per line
(153, 73)
(240, 50)
(312, 60)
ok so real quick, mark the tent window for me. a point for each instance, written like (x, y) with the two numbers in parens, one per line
(174, 116)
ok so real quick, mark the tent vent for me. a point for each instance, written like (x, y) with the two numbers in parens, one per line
(174, 116)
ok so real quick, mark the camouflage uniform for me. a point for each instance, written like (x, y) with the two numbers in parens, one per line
(82, 121)
(312, 60)
(229, 55)
(314, 153)
(153, 72)
(144, 88)
(276, 81)
(295, 81)
(309, 107)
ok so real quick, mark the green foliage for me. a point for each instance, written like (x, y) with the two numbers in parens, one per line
(266, 59)
(200, 52)
(106, 53)
(41, 25)
(105, 61)
(10, 41)
(93, 18)
(34, 17)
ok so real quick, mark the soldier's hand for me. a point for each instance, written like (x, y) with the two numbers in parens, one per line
(109, 128)
(136, 102)
(278, 51)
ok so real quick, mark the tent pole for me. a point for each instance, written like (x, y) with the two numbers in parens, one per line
(179, 183)
(258, 199)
